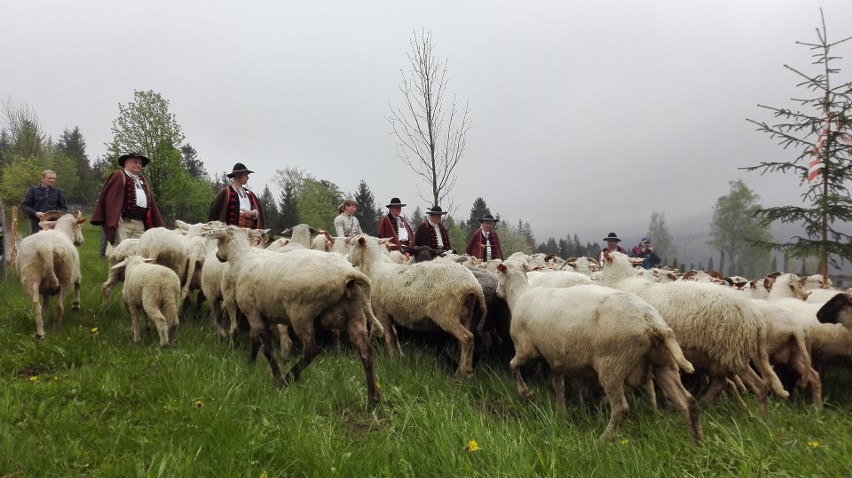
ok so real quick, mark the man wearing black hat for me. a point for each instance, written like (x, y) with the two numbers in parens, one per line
(432, 232)
(125, 206)
(394, 227)
(236, 205)
(484, 243)
(612, 241)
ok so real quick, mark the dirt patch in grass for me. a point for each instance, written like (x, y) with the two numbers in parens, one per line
(496, 409)
(363, 421)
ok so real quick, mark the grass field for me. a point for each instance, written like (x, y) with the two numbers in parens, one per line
(87, 401)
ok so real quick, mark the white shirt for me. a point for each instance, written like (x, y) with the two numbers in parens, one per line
(245, 203)
(437, 234)
(487, 235)
(403, 232)
(141, 198)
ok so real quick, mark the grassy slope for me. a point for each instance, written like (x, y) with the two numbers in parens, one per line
(86, 402)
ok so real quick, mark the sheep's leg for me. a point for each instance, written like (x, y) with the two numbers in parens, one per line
(715, 388)
(515, 365)
(285, 344)
(619, 408)
(465, 339)
(305, 331)
(358, 336)
(162, 328)
(391, 339)
(650, 392)
(577, 386)
(808, 376)
(733, 386)
(213, 305)
(669, 382)
(75, 306)
(816, 388)
(760, 389)
(558, 382)
(113, 278)
(231, 307)
(36, 300)
(261, 338)
(376, 328)
(135, 315)
(60, 307)
(335, 339)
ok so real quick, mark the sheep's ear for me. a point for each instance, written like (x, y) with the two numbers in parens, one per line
(362, 240)
(501, 267)
(287, 232)
(534, 269)
(769, 281)
(384, 241)
(148, 260)
(774, 275)
(181, 225)
(314, 231)
(46, 225)
(120, 265)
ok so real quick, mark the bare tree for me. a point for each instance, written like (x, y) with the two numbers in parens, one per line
(429, 138)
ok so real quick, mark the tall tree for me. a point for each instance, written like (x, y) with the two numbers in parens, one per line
(26, 137)
(512, 239)
(820, 136)
(145, 125)
(431, 133)
(417, 217)
(660, 235)
(478, 210)
(194, 166)
(271, 215)
(735, 229)
(73, 145)
(368, 213)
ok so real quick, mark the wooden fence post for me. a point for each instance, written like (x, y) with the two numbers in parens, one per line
(13, 238)
(2, 241)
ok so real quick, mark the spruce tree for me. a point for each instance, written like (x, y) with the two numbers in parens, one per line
(818, 131)
(367, 214)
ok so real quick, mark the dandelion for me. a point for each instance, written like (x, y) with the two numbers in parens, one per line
(624, 441)
(199, 404)
(94, 330)
(33, 378)
(813, 444)
(264, 474)
(471, 446)
(378, 386)
(56, 378)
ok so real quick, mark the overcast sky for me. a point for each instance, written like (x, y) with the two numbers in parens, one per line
(586, 116)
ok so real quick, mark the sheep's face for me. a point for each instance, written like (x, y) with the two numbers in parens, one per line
(838, 310)
(502, 270)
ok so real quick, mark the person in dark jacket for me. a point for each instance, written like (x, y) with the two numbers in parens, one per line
(646, 252)
(484, 243)
(42, 198)
(393, 226)
(432, 232)
(126, 207)
(236, 205)
(612, 241)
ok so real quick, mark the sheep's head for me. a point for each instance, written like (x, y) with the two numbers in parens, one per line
(790, 281)
(225, 238)
(357, 247)
(838, 310)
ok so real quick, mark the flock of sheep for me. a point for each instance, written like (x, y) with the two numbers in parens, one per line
(611, 324)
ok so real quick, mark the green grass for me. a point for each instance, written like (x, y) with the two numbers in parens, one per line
(85, 402)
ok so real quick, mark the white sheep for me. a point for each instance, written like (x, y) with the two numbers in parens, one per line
(298, 287)
(718, 329)
(424, 296)
(557, 279)
(122, 251)
(154, 290)
(175, 250)
(588, 329)
(48, 264)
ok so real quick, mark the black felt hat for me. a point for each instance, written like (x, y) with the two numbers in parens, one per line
(239, 168)
(125, 157)
(612, 236)
(436, 211)
(395, 202)
(488, 217)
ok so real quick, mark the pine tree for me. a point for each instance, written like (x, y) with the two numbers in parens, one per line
(477, 211)
(367, 214)
(819, 131)
(271, 215)
(72, 145)
(289, 209)
(416, 218)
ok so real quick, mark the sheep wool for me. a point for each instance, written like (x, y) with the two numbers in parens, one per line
(154, 290)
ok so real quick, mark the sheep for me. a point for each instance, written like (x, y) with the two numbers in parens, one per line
(837, 310)
(217, 285)
(718, 329)
(175, 251)
(154, 289)
(298, 287)
(788, 345)
(421, 296)
(122, 251)
(48, 264)
(557, 279)
(589, 330)
(301, 234)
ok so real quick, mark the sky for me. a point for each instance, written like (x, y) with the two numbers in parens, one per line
(585, 116)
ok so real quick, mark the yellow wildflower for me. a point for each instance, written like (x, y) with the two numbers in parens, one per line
(471, 446)
(56, 378)
(813, 444)
(93, 330)
(199, 404)
(378, 386)
(264, 474)
(33, 378)
(624, 441)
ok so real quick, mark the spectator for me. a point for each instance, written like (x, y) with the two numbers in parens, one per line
(646, 252)
(346, 224)
(236, 205)
(393, 226)
(125, 207)
(432, 232)
(612, 241)
(42, 198)
(484, 243)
